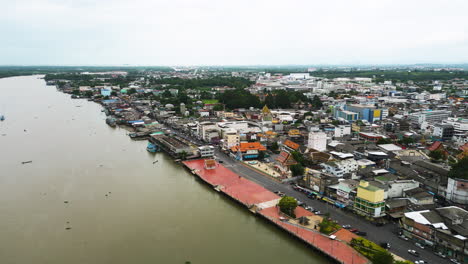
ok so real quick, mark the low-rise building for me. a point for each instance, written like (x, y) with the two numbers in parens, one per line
(206, 151)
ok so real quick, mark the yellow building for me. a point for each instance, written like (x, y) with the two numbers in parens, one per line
(369, 200)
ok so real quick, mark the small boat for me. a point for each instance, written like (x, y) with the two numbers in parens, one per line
(152, 147)
(111, 121)
(2, 117)
(25, 162)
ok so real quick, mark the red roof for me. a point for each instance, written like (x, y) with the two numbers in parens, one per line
(244, 146)
(435, 146)
(286, 159)
(291, 144)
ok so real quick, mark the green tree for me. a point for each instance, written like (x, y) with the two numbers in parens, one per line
(274, 146)
(131, 91)
(437, 154)
(384, 141)
(88, 93)
(460, 169)
(261, 155)
(382, 257)
(218, 107)
(316, 102)
(407, 140)
(76, 92)
(166, 94)
(287, 205)
(297, 170)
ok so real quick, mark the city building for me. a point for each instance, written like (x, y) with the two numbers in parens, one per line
(340, 168)
(247, 150)
(369, 200)
(444, 229)
(443, 131)
(317, 141)
(367, 112)
(429, 116)
(457, 190)
(206, 151)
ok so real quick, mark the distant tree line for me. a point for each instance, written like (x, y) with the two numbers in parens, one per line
(235, 82)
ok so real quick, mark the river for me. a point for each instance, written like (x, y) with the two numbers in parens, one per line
(91, 195)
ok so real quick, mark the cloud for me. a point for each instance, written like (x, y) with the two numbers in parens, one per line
(187, 32)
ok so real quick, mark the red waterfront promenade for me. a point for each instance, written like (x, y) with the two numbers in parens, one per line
(250, 193)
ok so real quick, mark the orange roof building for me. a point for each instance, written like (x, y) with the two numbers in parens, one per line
(245, 146)
(292, 145)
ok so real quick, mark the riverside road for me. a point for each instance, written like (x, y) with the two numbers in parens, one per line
(377, 234)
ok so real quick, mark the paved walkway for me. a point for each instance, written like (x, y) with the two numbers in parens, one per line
(250, 193)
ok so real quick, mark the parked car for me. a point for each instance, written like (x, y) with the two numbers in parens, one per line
(300, 203)
(354, 230)
(361, 233)
(379, 224)
(317, 212)
(403, 237)
(455, 261)
(308, 208)
(413, 252)
(346, 226)
(440, 254)
(220, 161)
(420, 262)
(419, 245)
(385, 245)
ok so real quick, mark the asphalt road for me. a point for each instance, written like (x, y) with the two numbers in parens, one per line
(377, 234)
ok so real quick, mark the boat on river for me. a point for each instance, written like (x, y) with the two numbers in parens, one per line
(2, 117)
(111, 121)
(152, 147)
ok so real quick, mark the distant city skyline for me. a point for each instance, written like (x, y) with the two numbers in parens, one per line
(240, 33)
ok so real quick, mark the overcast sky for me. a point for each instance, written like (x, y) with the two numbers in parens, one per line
(240, 32)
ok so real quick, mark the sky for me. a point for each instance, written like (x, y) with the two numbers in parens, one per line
(240, 32)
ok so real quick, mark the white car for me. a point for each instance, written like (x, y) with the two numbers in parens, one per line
(419, 245)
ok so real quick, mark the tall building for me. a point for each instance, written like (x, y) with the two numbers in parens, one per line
(317, 141)
(367, 112)
(369, 200)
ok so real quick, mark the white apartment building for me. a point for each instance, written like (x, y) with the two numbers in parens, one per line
(457, 191)
(435, 116)
(203, 127)
(206, 151)
(396, 188)
(230, 138)
(317, 141)
(342, 130)
(339, 168)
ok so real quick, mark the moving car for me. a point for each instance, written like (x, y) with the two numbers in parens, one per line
(440, 254)
(346, 226)
(413, 252)
(419, 245)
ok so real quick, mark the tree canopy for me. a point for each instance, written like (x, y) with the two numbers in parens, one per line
(239, 98)
(287, 205)
(460, 169)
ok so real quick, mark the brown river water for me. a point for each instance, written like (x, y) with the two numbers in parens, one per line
(91, 195)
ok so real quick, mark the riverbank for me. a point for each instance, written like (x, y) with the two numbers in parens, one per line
(263, 203)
